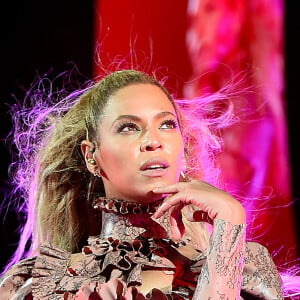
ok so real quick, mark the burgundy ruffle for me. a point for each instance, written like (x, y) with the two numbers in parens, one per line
(124, 207)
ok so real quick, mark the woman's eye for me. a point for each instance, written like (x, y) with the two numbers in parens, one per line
(169, 124)
(128, 127)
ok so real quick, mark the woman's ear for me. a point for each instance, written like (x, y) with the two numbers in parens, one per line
(87, 149)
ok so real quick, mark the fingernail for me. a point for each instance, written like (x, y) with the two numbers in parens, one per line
(157, 187)
(154, 216)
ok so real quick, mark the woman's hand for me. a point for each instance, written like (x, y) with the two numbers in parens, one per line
(212, 203)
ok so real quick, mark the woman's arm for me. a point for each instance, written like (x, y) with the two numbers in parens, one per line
(16, 282)
(221, 276)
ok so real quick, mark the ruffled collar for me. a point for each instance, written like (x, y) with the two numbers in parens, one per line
(118, 206)
(129, 221)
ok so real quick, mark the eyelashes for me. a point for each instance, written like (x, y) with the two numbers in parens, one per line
(129, 126)
(169, 124)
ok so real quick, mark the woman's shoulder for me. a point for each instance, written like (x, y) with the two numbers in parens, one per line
(17, 279)
(23, 269)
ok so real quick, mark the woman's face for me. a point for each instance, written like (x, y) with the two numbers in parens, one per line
(140, 145)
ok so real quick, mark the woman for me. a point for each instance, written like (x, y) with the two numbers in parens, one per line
(116, 216)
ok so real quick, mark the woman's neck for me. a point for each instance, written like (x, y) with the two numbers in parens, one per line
(121, 220)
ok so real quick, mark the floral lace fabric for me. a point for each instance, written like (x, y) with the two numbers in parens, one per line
(221, 272)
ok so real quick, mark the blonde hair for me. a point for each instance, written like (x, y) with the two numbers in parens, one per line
(58, 188)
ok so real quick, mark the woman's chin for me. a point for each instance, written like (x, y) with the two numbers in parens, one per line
(160, 182)
(151, 197)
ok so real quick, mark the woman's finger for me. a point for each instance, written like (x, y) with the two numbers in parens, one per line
(167, 204)
(177, 228)
(169, 189)
(199, 216)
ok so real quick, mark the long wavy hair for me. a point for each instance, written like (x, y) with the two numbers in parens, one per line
(52, 185)
(50, 173)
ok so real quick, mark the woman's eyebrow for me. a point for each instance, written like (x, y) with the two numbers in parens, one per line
(138, 119)
(131, 117)
(165, 113)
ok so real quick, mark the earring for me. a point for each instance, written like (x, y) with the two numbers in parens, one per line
(97, 174)
(183, 177)
(91, 161)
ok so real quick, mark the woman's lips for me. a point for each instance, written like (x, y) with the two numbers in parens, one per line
(154, 168)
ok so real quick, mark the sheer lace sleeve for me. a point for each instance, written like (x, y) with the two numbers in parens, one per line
(260, 277)
(15, 284)
(221, 276)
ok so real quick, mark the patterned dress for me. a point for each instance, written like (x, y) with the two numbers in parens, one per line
(229, 268)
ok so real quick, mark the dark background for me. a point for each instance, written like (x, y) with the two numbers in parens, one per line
(39, 37)
(292, 84)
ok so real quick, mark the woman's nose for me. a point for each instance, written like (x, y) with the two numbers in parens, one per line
(150, 144)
